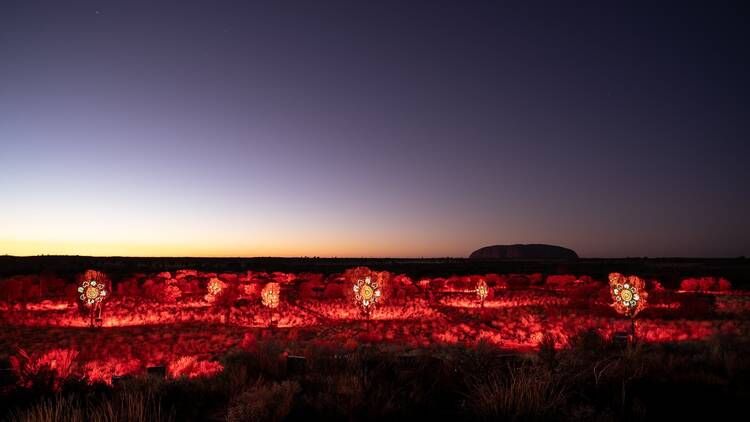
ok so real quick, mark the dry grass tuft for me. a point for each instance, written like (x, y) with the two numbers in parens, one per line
(525, 392)
(263, 402)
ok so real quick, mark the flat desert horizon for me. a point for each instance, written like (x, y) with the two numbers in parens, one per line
(369, 210)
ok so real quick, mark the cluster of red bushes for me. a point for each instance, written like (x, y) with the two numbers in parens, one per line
(705, 284)
(47, 370)
(180, 320)
(189, 285)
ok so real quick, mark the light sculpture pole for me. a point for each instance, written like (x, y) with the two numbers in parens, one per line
(628, 295)
(482, 290)
(270, 297)
(92, 294)
(367, 294)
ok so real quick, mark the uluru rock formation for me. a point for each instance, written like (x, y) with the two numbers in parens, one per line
(533, 251)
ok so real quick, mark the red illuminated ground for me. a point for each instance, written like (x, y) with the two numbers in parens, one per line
(172, 320)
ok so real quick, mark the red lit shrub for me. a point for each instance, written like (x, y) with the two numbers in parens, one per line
(535, 278)
(689, 285)
(20, 288)
(705, 284)
(102, 370)
(166, 291)
(185, 273)
(189, 286)
(129, 287)
(588, 294)
(229, 277)
(282, 278)
(51, 285)
(334, 291)
(518, 281)
(44, 371)
(560, 281)
(724, 285)
(191, 367)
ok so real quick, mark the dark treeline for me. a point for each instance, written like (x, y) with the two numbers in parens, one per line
(669, 271)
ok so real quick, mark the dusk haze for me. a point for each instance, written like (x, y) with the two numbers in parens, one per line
(371, 129)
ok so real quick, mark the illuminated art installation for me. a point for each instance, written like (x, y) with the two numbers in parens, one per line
(270, 295)
(214, 286)
(366, 293)
(213, 289)
(93, 293)
(629, 294)
(482, 291)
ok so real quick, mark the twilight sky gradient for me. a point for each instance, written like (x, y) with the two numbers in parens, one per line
(230, 128)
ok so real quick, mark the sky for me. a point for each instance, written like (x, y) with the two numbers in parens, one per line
(382, 128)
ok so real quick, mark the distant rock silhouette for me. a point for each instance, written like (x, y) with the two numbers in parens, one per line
(534, 251)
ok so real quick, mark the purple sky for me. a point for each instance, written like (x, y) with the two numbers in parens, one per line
(219, 128)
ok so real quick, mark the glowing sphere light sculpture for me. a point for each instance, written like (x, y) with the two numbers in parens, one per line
(92, 292)
(482, 290)
(214, 289)
(214, 286)
(628, 293)
(270, 295)
(367, 293)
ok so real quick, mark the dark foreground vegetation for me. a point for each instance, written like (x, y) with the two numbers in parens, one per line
(592, 379)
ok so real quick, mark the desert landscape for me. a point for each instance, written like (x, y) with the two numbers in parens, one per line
(189, 327)
(338, 210)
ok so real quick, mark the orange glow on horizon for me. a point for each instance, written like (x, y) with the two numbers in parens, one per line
(97, 230)
(344, 249)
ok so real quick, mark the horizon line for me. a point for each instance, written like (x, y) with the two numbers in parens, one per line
(366, 257)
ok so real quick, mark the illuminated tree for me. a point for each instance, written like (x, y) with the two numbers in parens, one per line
(93, 290)
(628, 295)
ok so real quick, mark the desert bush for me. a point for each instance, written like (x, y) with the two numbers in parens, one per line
(129, 287)
(587, 342)
(524, 393)
(20, 288)
(263, 402)
(167, 291)
(518, 281)
(102, 370)
(44, 372)
(191, 367)
(262, 358)
(706, 284)
(337, 396)
(560, 281)
(482, 358)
